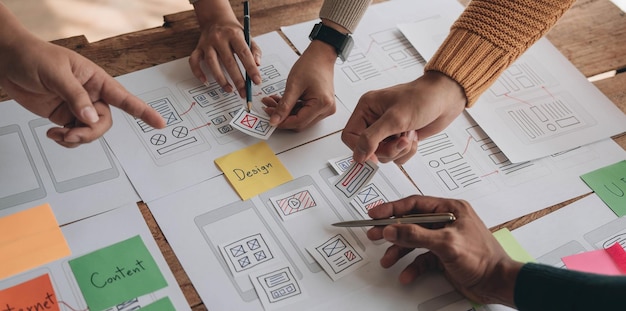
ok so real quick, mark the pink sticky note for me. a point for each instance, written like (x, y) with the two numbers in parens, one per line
(596, 261)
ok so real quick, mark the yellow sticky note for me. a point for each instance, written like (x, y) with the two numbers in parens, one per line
(253, 170)
(511, 246)
(30, 239)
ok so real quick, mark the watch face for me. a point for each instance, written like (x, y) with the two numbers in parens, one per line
(342, 43)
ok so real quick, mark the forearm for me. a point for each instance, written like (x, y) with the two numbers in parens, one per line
(489, 36)
(347, 14)
(13, 37)
(209, 11)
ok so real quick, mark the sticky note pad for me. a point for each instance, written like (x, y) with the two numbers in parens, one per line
(511, 246)
(163, 304)
(37, 292)
(29, 239)
(597, 261)
(609, 183)
(253, 170)
(117, 273)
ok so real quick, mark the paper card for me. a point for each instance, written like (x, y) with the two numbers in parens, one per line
(341, 164)
(246, 253)
(511, 246)
(369, 197)
(29, 239)
(253, 170)
(357, 176)
(596, 261)
(163, 304)
(34, 294)
(609, 183)
(293, 202)
(338, 256)
(117, 273)
(618, 255)
(253, 124)
(277, 287)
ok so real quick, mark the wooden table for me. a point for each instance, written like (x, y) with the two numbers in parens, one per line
(592, 35)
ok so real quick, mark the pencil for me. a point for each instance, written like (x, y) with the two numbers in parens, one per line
(246, 33)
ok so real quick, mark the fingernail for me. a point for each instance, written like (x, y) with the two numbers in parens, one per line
(390, 233)
(413, 135)
(257, 59)
(402, 145)
(71, 139)
(274, 120)
(206, 83)
(90, 114)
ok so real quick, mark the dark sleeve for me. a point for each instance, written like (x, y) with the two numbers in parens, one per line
(542, 287)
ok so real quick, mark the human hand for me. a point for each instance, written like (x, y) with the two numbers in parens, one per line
(387, 123)
(470, 257)
(221, 38)
(309, 94)
(70, 90)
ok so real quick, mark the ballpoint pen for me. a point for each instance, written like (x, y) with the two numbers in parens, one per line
(246, 33)
(406, 219)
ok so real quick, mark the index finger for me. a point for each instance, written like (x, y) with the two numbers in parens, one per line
(114, 94)
(415, 204)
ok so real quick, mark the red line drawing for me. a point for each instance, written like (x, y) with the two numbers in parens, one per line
(494, 172)
(519, 100)
(369, 47)
(201, 126)
(70, 307)
(352, 174)
(390, 68)
(545, 89)
(467, 145)
(249, 121)
(192, 104)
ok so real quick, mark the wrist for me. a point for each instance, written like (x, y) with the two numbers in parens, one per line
(453, 89)
(501, 289)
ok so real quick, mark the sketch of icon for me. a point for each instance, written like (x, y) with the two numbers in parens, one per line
(338, 256)
(238, 252)
(335, 246)
(249, 121)
(180, 131)
(279, 285)
(355, 178)
(350, 255)
(296, 202)
(252, 124)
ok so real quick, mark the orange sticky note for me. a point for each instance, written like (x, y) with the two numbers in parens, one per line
(35, 294)
(253, 170)
(29, 239)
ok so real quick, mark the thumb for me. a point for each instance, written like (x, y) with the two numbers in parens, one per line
(73, 93)
(373, 135)
(285, 105)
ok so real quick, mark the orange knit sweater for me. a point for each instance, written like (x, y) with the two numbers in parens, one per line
(488, 37)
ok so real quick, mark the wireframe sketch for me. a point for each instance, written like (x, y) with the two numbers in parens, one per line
(296, 201)
(29, 186)
(277, 285)
(355, 178)
(247, 252)
(253, 124)
(181, 136)
(553, 257)
(369, 197)
(337, 256)
(341, 164)
(608, 234)
(73, 168)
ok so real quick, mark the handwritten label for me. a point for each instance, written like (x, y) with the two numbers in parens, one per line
(609, 183)
(253, 170)
(29, 239)
(34, 294)
(117, 273)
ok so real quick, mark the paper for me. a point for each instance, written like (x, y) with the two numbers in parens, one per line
(253, 123)
(511, 246)
(36, 170)
(277, 287)
(337, 255)
(117, 273)
(30, 238)
(198, 118)
(34, 294)
(609, 183)
(163, 304)
(538, 106)
(354, 178)
(253, 170)
(596, 261)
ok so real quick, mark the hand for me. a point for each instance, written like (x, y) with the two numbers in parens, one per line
(222, 38)
(470, 257)
(71, 91)
(310, 93)
(387, 123)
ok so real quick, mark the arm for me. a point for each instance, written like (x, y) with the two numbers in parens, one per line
(59, 84)
(221, 38)
(487, 37)
(310, 83)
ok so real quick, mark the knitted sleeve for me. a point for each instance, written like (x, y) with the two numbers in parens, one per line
(541, 287)
(346, 13)
(489, 36)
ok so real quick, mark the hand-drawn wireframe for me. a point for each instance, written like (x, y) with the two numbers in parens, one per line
(290, 203)
(29, 187)
(324, 212)
(226, 221)
(553, 257)
(355, 178)
(91, 163)
(341, 164)
(369, 197)
(180, 137)
(389, 45)
(276, 287)
(253, 124)
(609, 234)
(246, 253)
(524, 76)
(337, 256)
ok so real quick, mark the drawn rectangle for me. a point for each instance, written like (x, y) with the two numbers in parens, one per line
(355, 178)
(246, 253)
(277, 287)
(295, 201)
(337, 256)
(253, 124)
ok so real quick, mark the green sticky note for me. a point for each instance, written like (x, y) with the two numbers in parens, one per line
(163, 304)
(511, 246)
(609, 183)
(117, 273)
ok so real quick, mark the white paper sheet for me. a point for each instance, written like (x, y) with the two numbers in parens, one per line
(92, 234)
(539, 106)
(199, 219)
(76, 182)
(463, 162)
(161, 162)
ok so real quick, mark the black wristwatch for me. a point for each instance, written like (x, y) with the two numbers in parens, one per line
(341, 42)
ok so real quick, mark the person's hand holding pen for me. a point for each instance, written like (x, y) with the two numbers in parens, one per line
(221, 38)
(470, 257)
